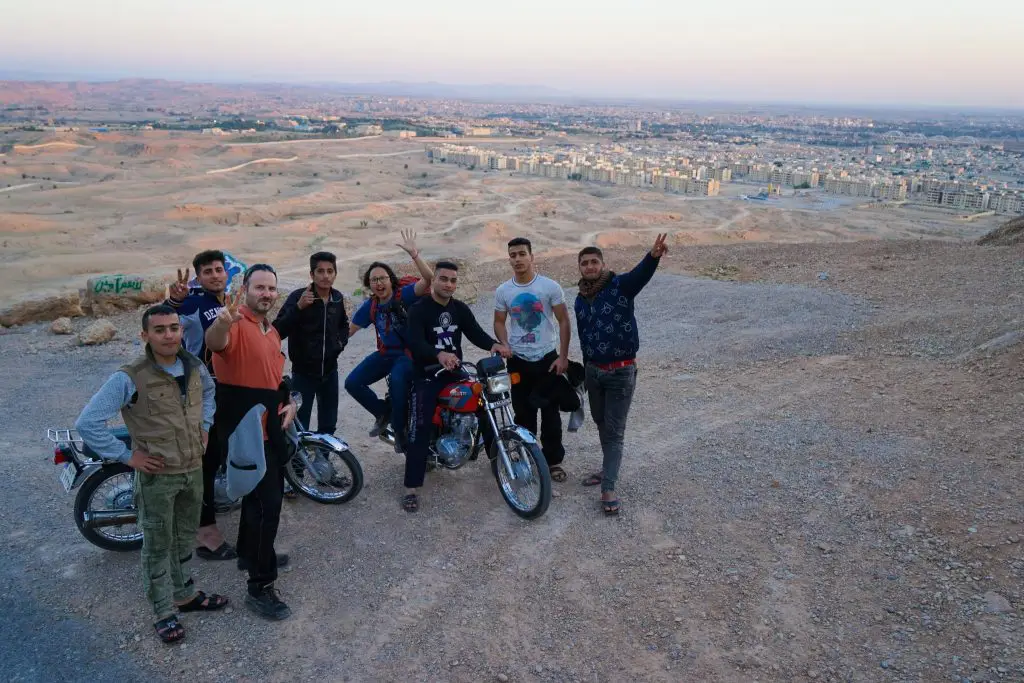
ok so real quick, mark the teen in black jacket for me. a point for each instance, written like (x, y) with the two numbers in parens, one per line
(314, 322)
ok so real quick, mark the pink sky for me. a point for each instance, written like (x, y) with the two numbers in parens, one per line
(876, 52)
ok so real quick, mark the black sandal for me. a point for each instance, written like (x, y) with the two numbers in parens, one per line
(169, 630)
(558, 474)
(223, 552)
(410, 503)
(611, 507)
(204, 603)
(594, 479)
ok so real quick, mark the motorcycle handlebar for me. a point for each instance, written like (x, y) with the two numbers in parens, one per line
(436, 369)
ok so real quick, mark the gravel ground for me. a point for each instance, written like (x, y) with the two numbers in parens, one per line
(816, 489)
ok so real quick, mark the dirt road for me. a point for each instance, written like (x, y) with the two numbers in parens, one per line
(815, 490)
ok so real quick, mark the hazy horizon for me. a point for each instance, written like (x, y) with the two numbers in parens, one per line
(886, 54)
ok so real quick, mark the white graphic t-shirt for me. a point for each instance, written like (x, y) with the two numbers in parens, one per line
(533, 332)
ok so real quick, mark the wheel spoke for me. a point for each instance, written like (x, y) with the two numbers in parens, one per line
(322, 473)
(116, 493)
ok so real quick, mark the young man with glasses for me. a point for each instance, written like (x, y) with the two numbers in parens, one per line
(386, 311)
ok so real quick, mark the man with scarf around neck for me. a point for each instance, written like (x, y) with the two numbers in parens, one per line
(607, 329)
(254, 407)
(166, 398)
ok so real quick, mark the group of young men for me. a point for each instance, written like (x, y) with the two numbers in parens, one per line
(210, 387)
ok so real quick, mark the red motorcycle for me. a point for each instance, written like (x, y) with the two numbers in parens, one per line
(483, 390)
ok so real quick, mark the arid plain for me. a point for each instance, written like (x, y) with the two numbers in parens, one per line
(74, 205)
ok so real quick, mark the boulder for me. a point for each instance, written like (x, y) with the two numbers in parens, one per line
(47, 308)
(61, 326)
(99, 332)
(111, 294)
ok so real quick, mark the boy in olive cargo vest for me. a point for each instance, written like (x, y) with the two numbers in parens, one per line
(166, 398)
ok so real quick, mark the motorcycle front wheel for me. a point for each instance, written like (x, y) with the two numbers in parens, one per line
(107, 497)
(529, 493)
(324, 474)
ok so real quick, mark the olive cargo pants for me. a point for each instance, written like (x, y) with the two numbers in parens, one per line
(168, 515)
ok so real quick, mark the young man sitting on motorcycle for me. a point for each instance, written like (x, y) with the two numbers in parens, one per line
(436, 326)
(166, 398)
(386, 311)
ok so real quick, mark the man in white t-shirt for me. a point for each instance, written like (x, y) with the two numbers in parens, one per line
(530, 304)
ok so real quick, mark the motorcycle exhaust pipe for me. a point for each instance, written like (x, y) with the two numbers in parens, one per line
(95, 519)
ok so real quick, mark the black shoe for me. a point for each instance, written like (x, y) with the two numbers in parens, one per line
(282, 561)
(268, 604)
(380, 424)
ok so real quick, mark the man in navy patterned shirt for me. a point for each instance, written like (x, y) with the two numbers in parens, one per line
(607, 329)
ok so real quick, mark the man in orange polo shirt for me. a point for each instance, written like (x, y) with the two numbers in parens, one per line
(248, 362)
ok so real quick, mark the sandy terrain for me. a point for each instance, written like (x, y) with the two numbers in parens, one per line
(72, 206)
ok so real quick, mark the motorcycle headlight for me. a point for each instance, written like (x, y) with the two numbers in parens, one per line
(499, 384)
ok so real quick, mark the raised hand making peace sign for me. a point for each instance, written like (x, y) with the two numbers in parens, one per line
(230, 314)
(660, 248)
(179, 288)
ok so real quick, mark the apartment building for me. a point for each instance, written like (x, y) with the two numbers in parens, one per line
(849, 187)
(722, 175)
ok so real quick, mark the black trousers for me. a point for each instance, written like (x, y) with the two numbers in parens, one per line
(257, 528)
(213, 458)
(531, 373)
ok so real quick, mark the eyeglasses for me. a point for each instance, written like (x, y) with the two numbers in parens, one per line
(379, 279)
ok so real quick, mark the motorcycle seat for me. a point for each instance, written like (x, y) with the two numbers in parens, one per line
(120, 433)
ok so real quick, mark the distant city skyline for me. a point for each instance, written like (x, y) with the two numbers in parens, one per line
(876, 53)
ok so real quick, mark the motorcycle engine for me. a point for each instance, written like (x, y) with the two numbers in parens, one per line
(456, 443)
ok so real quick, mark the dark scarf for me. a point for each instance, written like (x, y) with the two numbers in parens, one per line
(589, 289)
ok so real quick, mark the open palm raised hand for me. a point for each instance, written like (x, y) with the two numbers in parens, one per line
(409, 242)
(179, 288)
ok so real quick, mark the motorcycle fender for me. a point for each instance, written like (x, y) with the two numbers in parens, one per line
(84, 474)
(327, 440)
(524, 434)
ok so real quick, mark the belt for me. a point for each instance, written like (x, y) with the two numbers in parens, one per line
(614, 366)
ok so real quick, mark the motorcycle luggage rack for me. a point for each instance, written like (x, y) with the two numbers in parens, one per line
(63, 436)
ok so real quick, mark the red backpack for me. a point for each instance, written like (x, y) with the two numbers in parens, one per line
(397, 301)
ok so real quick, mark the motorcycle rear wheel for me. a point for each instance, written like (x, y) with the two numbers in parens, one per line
(347, 474)
(111, 488)
(528, 497)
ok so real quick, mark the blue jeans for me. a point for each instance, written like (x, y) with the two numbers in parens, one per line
(374, 368)
(326, 392)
